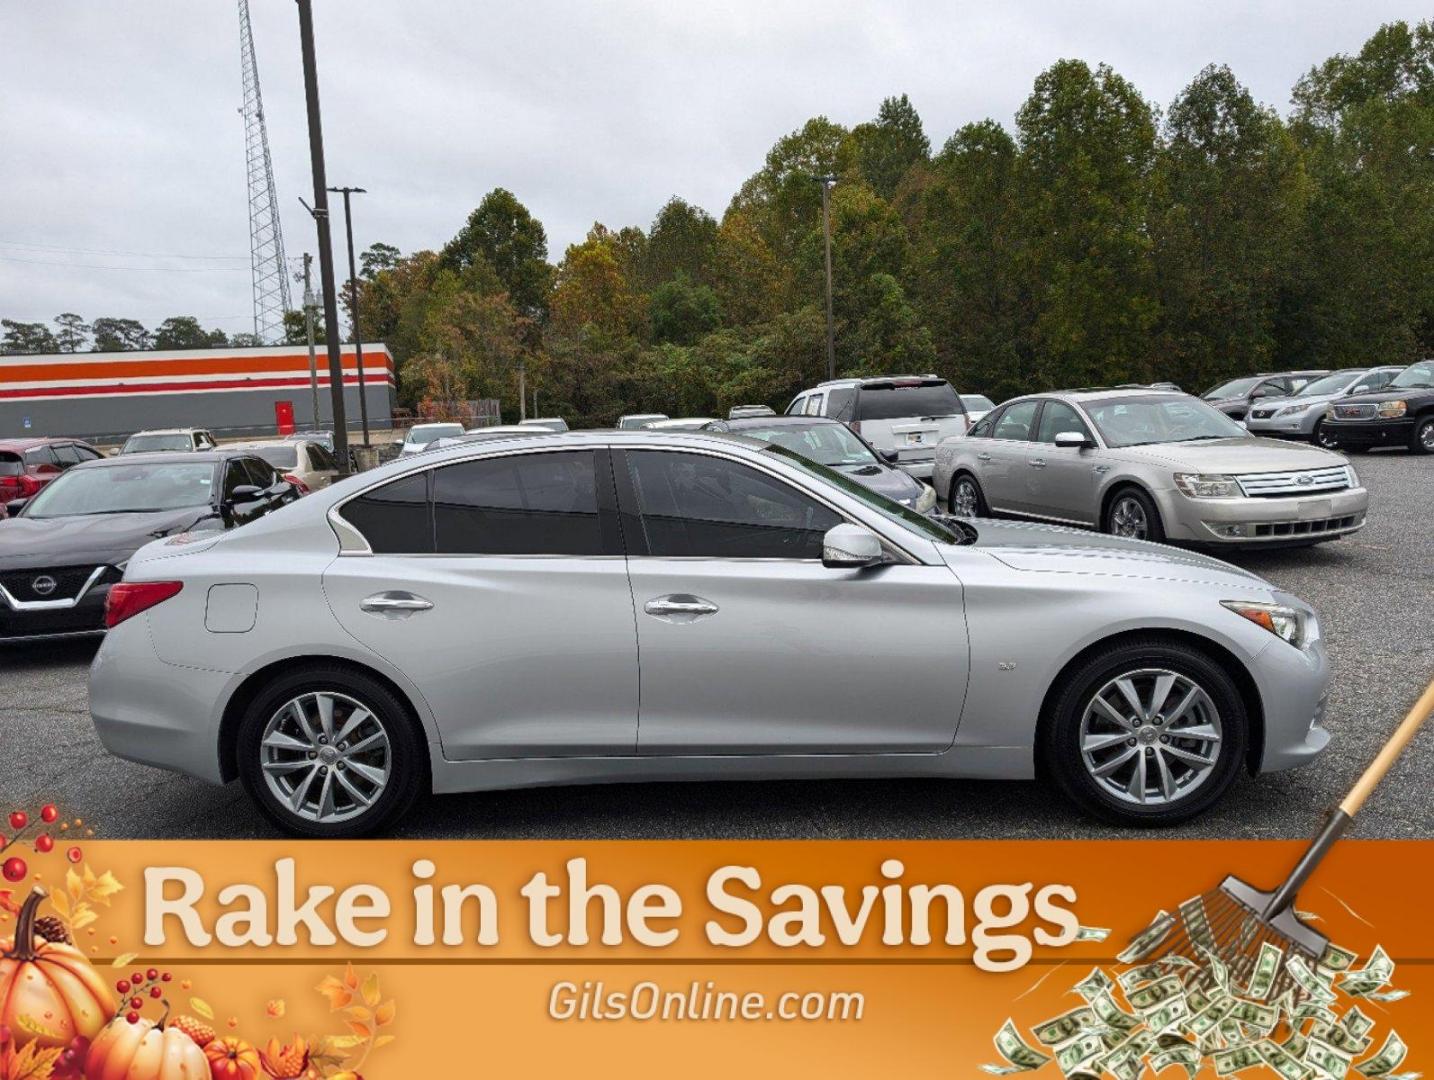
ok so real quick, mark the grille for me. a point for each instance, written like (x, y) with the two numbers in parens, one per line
(1364, 411)
(1262, 414)
(1306, 528)
(1307, 482)
(68, 581)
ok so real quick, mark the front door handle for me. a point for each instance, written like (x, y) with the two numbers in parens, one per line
(394, 604)
(983, 457)
(680, 607)
(1038, 463)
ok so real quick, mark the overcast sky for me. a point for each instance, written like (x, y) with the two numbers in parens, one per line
(120, 138)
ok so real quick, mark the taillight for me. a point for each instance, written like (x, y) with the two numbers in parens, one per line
(129, 598)
(29, 485)
(299, 485)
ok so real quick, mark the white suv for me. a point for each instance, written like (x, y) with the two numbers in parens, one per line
(903, 416)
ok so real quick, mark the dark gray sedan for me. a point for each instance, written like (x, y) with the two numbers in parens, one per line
(831, 443)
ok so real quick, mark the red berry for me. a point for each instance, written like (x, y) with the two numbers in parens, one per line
(44, 843)
(155, 991)
(74, 854)
(165, 977)
(136, 1003)
(14, 869)
(136, 978)
(152, 974)
(48, 813)
(132, 1017)
(122, 986)
(19, 819)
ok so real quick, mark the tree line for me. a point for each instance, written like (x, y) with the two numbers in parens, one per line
(1098, 239)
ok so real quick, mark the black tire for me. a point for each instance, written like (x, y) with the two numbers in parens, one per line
(983, 509)
(1421, 440)
(1154, 527)
(1060, 737)
(408, 775)
(1321, 437)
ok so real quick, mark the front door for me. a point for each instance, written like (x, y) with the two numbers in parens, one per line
(1065, 476)
(498, 585)
(749, 645)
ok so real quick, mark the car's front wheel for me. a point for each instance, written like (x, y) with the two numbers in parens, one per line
(1324, 437)
(1133, 515)
(1422, 442)
(330, 752)
(1146, 733)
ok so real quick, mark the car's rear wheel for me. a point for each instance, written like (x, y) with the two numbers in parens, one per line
(330, 752)
(1146, 733)
(967, 499)
(1324, 437)
(1422, 441)
(1133, 515)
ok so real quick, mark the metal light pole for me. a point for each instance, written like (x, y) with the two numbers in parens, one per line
(320, 212)
(522, 390)
(826, 182)
(310, 306)
(354, 304)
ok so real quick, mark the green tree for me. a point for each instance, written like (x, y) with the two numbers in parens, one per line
(72, 332)
(22, 337)
(120, 335)
(781, 200)
(887, 148)
(504, 235)
(184, 332)
(683, 311)
(682, 240)
(376, 258)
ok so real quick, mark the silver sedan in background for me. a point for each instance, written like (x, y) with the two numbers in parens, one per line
(623, 606)
(1148, 465)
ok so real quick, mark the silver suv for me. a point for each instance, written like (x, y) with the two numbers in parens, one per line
(1151, 466)
(1301, 414)
(904, 414)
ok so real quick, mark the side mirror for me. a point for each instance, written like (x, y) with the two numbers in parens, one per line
(1362, 388)
(891, 457)
(113, 451)
(245, 493)
(1072, 440)
(14, 506)
(850, 547)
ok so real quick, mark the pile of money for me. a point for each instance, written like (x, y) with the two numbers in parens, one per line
(1299, 1018)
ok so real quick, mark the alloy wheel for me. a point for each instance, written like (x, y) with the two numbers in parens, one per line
(1127, 519)
(1150, 736)
(1325, 438)
(1426, 436)
(966, 500)
(326, 757)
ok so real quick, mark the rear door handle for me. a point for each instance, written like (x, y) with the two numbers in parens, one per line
(395, 603)
(983, 457)
(1038, 463)
(681, 606)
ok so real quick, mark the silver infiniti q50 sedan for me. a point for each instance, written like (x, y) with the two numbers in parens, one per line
(1148, 465)
(620, 606)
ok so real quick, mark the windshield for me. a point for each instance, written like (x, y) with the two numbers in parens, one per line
(897, 401)
(889, 509)
(832, 445)
(977, 403)
(281, 457)
(1233, 388)
(422, 436)
(119, 489)
(142, 444)
(1416, 375)
(1141, 421)
(1330, 384)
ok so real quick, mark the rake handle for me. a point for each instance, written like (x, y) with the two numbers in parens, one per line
(1342, 818)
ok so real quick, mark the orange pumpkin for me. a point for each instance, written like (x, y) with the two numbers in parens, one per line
(144, 1051)
(231, 1058)
(49, 994)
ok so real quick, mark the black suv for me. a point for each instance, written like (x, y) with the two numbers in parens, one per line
(1402, 414)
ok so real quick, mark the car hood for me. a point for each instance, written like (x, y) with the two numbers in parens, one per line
(1056, 550)
(1408, 393)
(92, 538)
(1303, 399)
(1242, 454)
(893, 483)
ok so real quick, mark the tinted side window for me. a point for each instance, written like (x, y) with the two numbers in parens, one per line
(1057, 417)
(261, 474)
(1015, 421)
(67, 455)
(320, 458)
(898, 401)
(840, 402)
(1375, 379)
(86, 454)
(40, 455)
(394, 518)
(696, 505)
(797, 407)
(983, 427)
(521, 504)
(235, 475)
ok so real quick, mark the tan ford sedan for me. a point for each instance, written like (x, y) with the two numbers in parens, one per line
(1147, 465)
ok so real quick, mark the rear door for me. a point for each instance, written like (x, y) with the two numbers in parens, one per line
(499, 586)
(1006, 472)
(749, 645)
(909, 416)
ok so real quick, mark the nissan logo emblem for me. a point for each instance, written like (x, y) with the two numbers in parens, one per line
(43, 585)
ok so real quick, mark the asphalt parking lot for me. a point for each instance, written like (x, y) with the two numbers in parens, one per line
(1375, 593)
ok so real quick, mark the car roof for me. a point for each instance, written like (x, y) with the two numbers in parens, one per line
(741, 422)
(167, 456)
(29, 442)
(1092, 393)
(169, 431)
(872, 379)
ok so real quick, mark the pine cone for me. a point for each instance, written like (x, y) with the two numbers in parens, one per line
(52, 930)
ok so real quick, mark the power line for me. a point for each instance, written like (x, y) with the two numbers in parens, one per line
(110, 251)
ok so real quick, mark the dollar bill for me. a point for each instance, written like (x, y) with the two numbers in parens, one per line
(1143, 973)
(1355, 1022)
(1020, 1056)
(1186, 1056)
(1282, 1061)
(1149, 939)
(1391, 1055)
(1197, 998)
(1308, 981)
(1236, 1059)
(1296, 1044)
(1387, 995)
(1146, 998)
(1375, 974)
(1092, 933)
(1335, 958)
(1112, 1015)
(1065, 1027)
(1256, 1014)
(1168, 1015)
(1077, 1053)
(1219, 973)
(1267, 966)
(1340, 1037)
(1208, 1019)
(1094, 984)
(1197, 922)
(1327, 1059)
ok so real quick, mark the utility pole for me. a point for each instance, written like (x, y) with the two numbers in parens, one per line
(522, 390)
(310, 306)
(320, 212)
(354, 305)
(826, 182)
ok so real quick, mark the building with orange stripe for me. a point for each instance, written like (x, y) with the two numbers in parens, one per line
(232, 392)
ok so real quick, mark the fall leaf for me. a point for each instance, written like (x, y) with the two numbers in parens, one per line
(202, 1007)
(338, 994)
(383, 1040)
(384, 1014)
(276, 1008)
(7, 902)
(371, 994)
(30, 1063)
(123, 960)
(363, 1031)
(351, 979)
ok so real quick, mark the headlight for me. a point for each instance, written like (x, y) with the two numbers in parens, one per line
(1353, 476)
(1391, 410)
(926, 500)
(1293, 410)
(1284, 622)
(1204, 486)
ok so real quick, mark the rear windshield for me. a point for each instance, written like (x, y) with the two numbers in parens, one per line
(141, 444)
(281, 457)
(1233, 388)
(897, 401)
(11, 465)
(422, 436)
